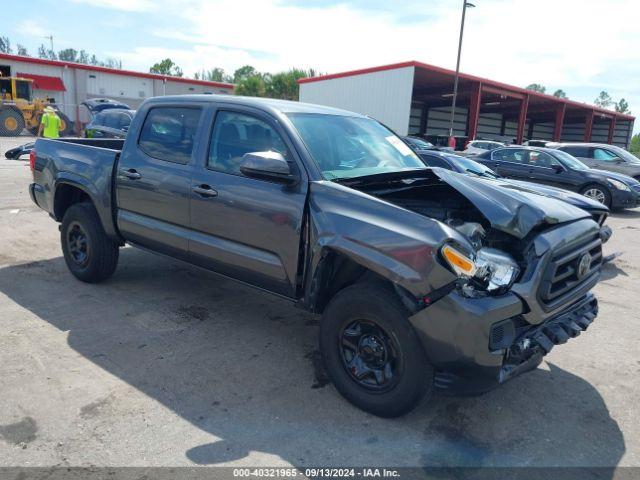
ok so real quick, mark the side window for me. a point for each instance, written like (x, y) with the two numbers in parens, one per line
(124, 121)
(112, 119)
(168, 133)
(98, 120)
(541, 159)
(577, 151)
(604, 155)
(510, 155)
(235, 134)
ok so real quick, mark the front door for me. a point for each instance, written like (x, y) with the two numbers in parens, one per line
(242, 227)
(510, 163)
(153, 181)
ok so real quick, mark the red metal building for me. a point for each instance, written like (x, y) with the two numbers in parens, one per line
(415, 98)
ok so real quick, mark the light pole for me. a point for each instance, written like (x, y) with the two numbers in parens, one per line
(50, 38)
(452, 140)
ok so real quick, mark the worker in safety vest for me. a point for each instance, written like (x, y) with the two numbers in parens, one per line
(50, 124)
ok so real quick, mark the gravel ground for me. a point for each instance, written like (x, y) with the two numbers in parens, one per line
(166, 365)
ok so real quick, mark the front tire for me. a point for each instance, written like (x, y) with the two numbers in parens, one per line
(598, 193)
(11, 123)
(372, 353)
(90, 254)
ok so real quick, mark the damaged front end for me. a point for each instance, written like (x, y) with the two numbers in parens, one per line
(523, 277)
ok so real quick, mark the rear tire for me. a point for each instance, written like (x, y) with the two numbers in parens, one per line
(11, 123)
(598, 193)
(90, 254)
(383, 369)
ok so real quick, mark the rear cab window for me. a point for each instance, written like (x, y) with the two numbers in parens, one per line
(168, 133)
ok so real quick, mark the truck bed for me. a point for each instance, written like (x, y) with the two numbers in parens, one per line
(86, 162)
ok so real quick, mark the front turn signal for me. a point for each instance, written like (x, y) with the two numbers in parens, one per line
(460, 263)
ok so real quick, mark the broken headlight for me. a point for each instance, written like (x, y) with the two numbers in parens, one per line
(490, 270)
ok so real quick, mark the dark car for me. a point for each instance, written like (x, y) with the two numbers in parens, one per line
(461, 164)
(559, 169)
(425, 278)
(110, 123)
(97, 105)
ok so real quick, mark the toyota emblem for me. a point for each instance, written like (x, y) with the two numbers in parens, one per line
(584, 265)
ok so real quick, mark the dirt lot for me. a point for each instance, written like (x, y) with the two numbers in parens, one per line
(166, 365)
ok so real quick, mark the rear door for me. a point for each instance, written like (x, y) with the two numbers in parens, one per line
(581, 152)
(510, 163)
(242, 227)
(153, 181)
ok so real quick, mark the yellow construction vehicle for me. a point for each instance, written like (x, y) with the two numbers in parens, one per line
(19, 110)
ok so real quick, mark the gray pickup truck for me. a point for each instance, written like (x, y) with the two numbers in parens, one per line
(424, 278)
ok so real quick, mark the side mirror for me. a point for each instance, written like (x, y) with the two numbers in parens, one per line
(270, 166)
(558, 168)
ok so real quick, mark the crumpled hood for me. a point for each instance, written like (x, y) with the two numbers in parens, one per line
(508, 207)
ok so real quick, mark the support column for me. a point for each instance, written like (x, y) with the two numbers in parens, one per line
(474, 111)
(612, 128)
(522, 119)
(557, 130)
(588, 126)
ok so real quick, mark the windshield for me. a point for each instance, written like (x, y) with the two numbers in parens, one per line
(624, 154)
(467, 165)
(348, 147)
(569, 160)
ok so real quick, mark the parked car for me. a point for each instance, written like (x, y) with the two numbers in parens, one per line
(466, 165)
(110, 123)
(418, 144)
(97, 105)
(559, 169)
(603, 157)
(424, 277)
(476, 147)
(17, 152)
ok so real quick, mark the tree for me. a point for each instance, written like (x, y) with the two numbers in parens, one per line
(68, 55)
(560, 93)
(252, 86)
(22, 50)
(622, 106)
(83, 57)
(5, 45)
(536, 87)
(634, 147)
(284, 85)
(167, 67)
(214, 75)
(244, 72)
(604, 100)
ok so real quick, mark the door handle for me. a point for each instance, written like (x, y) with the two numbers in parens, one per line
(204, 191)
(131, 174)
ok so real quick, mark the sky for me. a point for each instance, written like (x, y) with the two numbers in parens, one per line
(580, 46)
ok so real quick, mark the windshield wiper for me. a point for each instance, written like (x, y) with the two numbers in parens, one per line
(483, 174)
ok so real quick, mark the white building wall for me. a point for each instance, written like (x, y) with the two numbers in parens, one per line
(384, 95)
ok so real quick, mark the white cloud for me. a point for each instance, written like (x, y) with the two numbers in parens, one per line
(580, 44)
(32, 28)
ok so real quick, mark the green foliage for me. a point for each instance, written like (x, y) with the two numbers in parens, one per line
(243, 73)
(252, 86)
(536, 87)
(68, 55)
(22, 50)
(634, 147)
(214, 75)
(622, 106)
(604, 100)
(167, 67)
(5, 45)
(560, 93)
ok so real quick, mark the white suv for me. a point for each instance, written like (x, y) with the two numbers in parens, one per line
(476, 147)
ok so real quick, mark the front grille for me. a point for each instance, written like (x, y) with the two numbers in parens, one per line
(569, 269)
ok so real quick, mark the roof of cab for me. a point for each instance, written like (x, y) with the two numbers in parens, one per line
(269, 104)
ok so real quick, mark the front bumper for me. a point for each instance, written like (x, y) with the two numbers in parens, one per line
(623, 199)
(476, 344)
